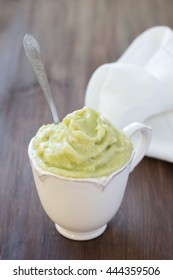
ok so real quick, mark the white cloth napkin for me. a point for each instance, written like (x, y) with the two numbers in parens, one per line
(139, 88)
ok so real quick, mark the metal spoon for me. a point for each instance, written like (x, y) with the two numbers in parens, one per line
(32, 50)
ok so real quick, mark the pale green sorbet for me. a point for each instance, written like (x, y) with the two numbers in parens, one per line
(83, 145)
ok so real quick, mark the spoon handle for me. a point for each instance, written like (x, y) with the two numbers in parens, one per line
(32, 51)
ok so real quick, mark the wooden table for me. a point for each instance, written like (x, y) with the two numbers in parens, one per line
(76, 37)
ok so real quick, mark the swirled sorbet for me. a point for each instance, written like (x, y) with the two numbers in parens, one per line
(83, 145)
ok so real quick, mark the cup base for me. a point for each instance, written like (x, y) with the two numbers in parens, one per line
(80, 236)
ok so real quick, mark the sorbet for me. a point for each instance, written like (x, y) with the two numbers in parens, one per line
(83, 145)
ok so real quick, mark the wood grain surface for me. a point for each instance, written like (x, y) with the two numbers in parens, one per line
(76, 37)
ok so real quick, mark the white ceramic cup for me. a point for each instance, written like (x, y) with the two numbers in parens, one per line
(81, 208)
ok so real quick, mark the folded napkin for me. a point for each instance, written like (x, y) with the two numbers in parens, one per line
(139, 88)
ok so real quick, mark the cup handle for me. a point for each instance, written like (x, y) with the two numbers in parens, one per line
(141, 143)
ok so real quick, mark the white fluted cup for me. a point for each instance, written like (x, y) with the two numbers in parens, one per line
(81, 208)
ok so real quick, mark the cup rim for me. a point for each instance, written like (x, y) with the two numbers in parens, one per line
(102, 179)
